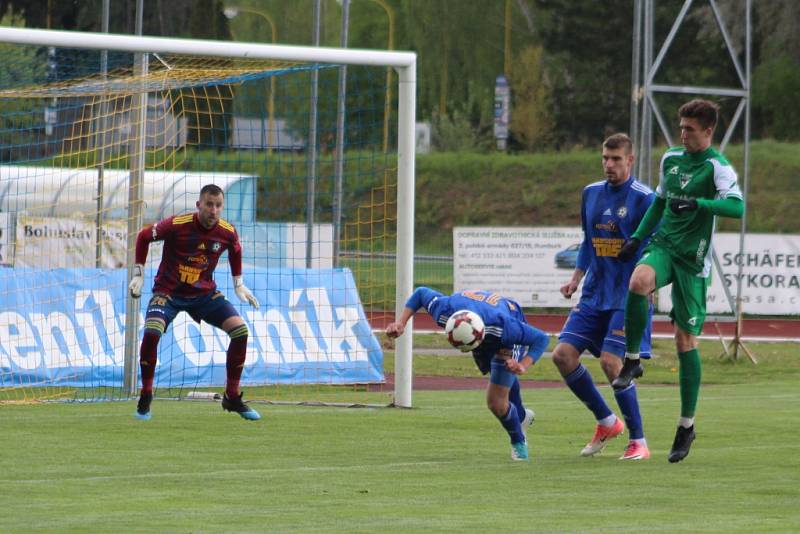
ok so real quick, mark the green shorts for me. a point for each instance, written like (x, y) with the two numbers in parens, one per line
(688, 289)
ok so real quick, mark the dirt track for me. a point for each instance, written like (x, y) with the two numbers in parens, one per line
(551, 323)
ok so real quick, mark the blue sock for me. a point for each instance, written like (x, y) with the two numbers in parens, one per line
(515, 398)
(511, 423)
(581, 383)
(629, 406)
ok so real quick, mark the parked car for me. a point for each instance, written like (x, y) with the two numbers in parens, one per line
(568, 258)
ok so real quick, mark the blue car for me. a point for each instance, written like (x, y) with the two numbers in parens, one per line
(568, 258)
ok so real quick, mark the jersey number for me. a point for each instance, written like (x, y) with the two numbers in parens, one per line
(491, 298)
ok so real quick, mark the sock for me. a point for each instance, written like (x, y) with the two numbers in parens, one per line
(689, 374)
(629, 406)
(637, 312)
(511, 423)
(148, 356)
(234, 363)
(686, 422)
(515, 398)
(607, 421)
(581, 383)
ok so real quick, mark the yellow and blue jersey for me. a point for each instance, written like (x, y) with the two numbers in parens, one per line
(504, 322)
(609, 216)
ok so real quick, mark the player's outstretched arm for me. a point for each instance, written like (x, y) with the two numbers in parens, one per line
(420, 298)
(732, 207)
(243, 292)
(396, 329)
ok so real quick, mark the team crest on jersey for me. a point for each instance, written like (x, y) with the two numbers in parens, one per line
(622, 211)
(215, 246)
(673, 170)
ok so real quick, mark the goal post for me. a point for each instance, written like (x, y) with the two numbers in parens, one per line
(100, 159)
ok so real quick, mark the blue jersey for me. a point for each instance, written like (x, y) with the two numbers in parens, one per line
(609, 216)
(504, 323)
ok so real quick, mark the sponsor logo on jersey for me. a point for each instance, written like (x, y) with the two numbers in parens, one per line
(201, 260)
(188, 275)
(610, 226)
(607, 246)
(622, 211)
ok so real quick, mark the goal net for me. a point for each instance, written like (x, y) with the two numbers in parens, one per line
(100, 135)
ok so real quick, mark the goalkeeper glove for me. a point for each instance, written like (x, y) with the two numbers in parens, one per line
(681, 205)
(137, 281)
(244, 294)
(629, 250)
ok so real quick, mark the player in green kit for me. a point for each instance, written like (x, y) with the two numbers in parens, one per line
(697, 184)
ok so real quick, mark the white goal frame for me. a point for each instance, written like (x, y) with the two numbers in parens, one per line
(404, 63)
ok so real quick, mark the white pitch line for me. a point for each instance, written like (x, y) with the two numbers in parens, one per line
(195, 474)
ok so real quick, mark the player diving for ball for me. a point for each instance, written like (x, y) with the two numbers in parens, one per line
(509, 346)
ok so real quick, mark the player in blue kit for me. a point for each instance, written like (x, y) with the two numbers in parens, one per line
(510, 345)
(610, 212)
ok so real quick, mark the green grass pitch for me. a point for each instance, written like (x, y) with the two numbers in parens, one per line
(442, 466)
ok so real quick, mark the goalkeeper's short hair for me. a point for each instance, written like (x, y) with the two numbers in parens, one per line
(211, 189)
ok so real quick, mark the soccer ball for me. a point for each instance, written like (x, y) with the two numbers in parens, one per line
(464, 330)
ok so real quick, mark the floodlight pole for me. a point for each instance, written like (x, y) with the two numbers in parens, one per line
(341, 110)
(100, 141)
(311, 146)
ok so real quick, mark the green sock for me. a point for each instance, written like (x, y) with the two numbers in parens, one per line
(637, 312)
(689, 373)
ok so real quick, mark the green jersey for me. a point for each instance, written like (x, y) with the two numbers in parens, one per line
(699, 175)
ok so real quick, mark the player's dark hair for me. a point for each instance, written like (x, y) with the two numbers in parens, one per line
(619, 140)
(211, 189)
(705, 111)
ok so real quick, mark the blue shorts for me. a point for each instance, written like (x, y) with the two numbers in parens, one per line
(213, 308)
(600, 331)
(500, 374)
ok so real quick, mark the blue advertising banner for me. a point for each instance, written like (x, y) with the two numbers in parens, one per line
(66, 327)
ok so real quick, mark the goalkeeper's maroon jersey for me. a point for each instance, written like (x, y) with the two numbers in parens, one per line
(190, 255)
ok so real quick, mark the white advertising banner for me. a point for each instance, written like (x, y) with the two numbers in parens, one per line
(57, 242)
(6, 250)
(770, 275)
(526, 264)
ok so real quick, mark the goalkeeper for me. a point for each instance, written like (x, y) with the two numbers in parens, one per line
(193, 244)
(510, 345)
(697, 183)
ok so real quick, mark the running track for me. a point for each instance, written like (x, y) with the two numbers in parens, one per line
(752, 329)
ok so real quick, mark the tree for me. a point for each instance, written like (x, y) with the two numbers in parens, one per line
(531, 118)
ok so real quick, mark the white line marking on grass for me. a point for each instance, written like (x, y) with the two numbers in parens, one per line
(196, 474)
